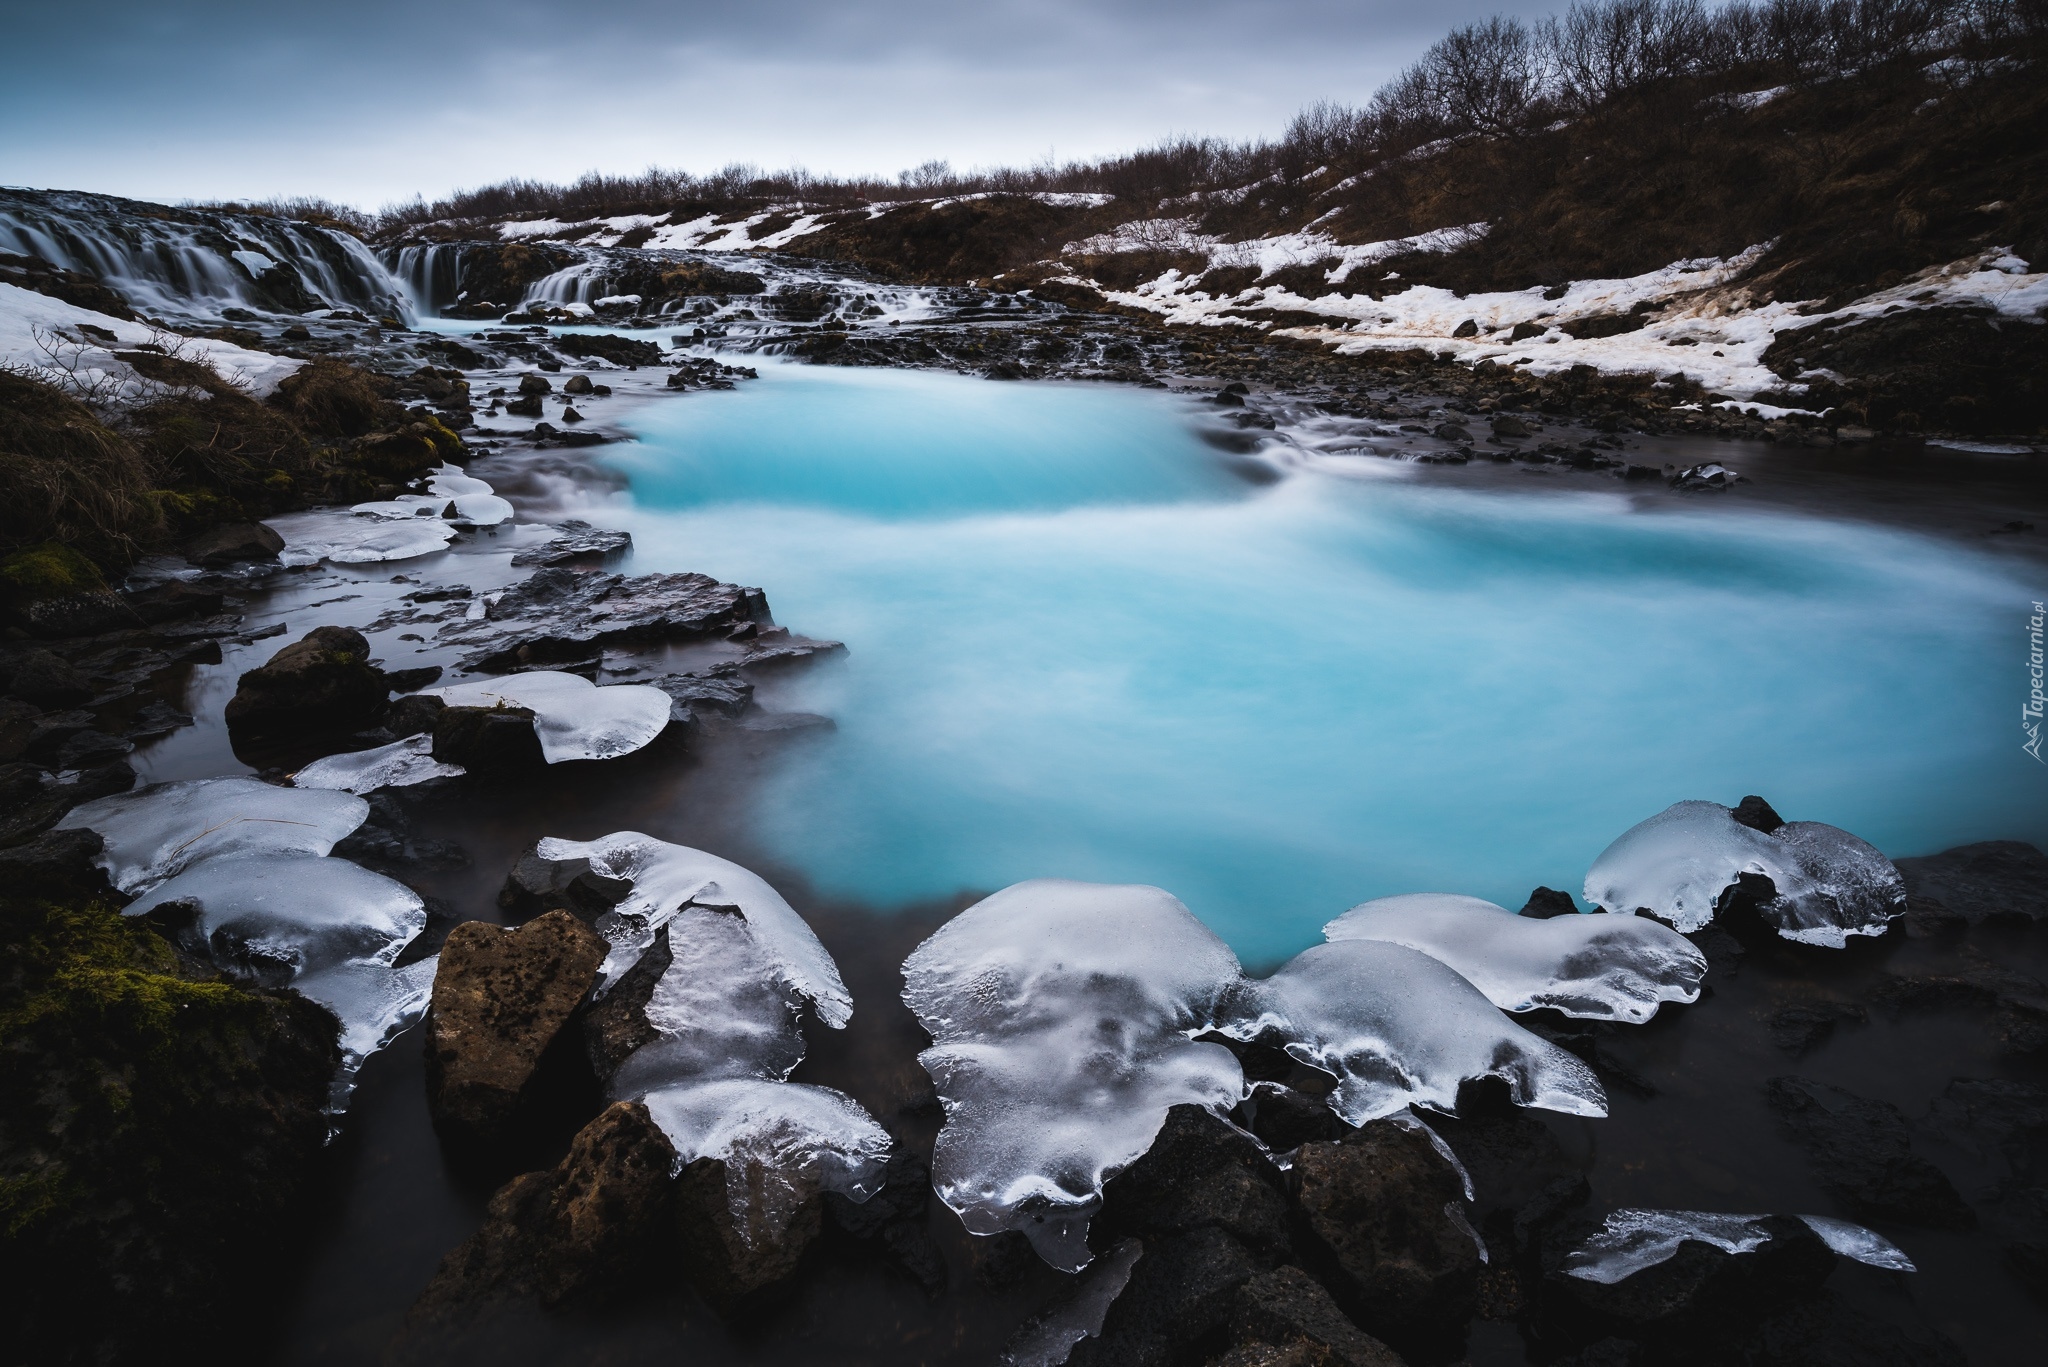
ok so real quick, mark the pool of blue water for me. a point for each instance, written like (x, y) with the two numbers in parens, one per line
(1082, 644)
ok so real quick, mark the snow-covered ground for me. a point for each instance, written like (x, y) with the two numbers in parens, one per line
(48, 337)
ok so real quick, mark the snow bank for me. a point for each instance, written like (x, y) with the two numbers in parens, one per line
(24, 314)
(1599, 966)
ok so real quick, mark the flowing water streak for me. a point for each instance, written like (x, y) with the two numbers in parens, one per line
(1082, 646)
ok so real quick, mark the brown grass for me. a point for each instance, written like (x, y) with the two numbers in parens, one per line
(65, 476)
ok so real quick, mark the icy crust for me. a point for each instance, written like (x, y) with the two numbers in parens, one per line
(742, 968)
(574, 718)
(346, 539)
(1396, 1028)
(157, 832)
(1600, 966)
(1060, 1014)
(1049, 1341)
(1830, 885)
(397, 765)
(665, 879)
(473, 500)
(1632, 1240)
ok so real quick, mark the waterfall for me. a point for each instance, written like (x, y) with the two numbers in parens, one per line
(181, 262)
(577, 284)
(431, 273)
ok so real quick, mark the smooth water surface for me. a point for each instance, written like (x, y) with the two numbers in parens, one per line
(1083, 644)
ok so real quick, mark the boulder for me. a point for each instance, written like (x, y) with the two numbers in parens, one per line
(581, 384)
(563, 616)
(578, 541)
(590, 1229)
(1384, 1212)
(530, 385)
(1992, 879)
(1176, 1306)
(1862, 1152)
(525, 406)
(46, 680)
(322, 684)
(1200, 1172)
(1286, 1310)
(1757, 814)
(1508, 425)
(1284, 1118)
(487, 739)
(413, 715)
(174, 601)
(501, 998)
(617, 1025)
(77, 614)
(56, 864)
(733, 1256)
(1545, 903)
(233, 543)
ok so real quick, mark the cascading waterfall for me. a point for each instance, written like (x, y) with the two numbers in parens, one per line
(431, 273)
(577, 284)
(199, 262)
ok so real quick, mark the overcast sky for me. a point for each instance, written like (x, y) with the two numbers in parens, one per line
(370, 101)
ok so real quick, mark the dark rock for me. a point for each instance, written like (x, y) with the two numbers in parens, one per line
(1862, 1152)
(411, 680)
(530, 385)
(387, 843)
(1757, 814)
(46, 680)
(1997, 878)
(536, 885)
(526, 406)
(569, 414)
(591, 1229)
(1286, 1307)
(77, 614)
(562, 616)
(1468, 328)
(1199, 1172)
(413, 714)
(1800, 1026)
(1824, 1331)
(1699, 1296)
(1451, 431)
(2018, 1003)
(626, 351)
(31, 798)
(581, 384)
(1285, 1119)
(732, 1258)
(173, 601)
(487, 739)
(617, 1025)
(322, 684)
(892, 1221)
(1508, 425)
(1176, 1306)
(501, 997)
(57, 864)
(578, 541)
(232, 543)
(1545, 903)
(18, 723)
(1384, 1210)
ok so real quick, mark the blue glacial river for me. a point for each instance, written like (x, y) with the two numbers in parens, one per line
(1082, 646)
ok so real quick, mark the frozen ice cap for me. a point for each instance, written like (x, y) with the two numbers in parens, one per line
(156, 832)
(1060, 1014)
(474, 501)
(1631, 1240)
(1830, 885)
(347, 539)
(574, 718)
(397, 765)
(667, 878)
(1602, 966)
(375, 1004)
(1396, 1027)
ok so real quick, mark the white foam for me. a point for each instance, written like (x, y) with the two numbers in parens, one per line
(1599, 966)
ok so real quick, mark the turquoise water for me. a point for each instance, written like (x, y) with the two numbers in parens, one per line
(1083, 646)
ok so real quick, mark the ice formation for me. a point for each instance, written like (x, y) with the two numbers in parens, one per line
(1396, 1027)
(1601, 966)
(1631, 1240)
(473, 500)
(742, 968)
(346, 539)
(156, 832)
(667, 878)
(1830, 885)
(1059, 1014)
(574, 718)
(397, 765)
(1049, 1341)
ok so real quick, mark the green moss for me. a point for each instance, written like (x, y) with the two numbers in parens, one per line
(48, 571)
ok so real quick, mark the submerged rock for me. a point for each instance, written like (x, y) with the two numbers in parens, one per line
(1862, 1152)
(487, 739)
(501, 998)
(233, 543)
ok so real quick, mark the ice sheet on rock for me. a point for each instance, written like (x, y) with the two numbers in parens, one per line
(1631, 1240)
(405, 505)
(397, 765)
(375, 1004)
(667, 878)
(474, 502)
(1049, 1340)
(1060, 1013)
(347, 539)
(1395, 1026)
(791, 1130)
(1830, 885)
(154, 833)
(1863, 1245)
(722, 1009)
(1600, 966)
(575, 718)
(280, 916)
